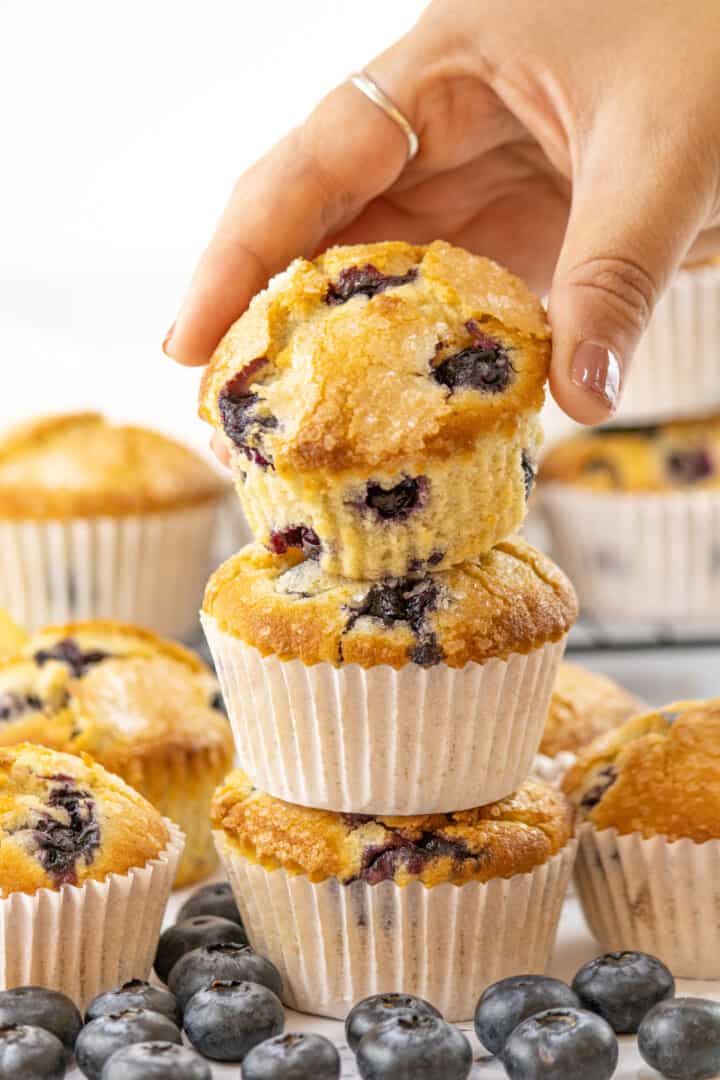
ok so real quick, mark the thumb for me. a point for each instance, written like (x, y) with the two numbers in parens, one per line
(631, 223)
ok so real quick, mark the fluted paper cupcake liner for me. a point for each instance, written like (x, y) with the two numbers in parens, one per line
(148, 569)
(335, 944)
(84, 939)
(653, 895)
(412, 741)
(636, 556)
(552, 769)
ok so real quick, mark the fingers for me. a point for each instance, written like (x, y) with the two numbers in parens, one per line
(219, 449)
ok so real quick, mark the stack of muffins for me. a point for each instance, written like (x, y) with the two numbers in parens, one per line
(386, 652)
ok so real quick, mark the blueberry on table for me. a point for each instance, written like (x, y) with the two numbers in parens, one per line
(375, 1010)
(30, 1053)
(216, 899)
(136, 994)
(192, 934)
(622, 987)
(226, 962)
(560, 1044)
(37, 1006)
(508, 1002)
(155, 1061)
(415, 1047)
(681, 1038)
(227, 1019)
(295, 1056)
(99, 1039)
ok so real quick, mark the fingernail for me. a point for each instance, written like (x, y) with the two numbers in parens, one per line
(597, 371)
(166, 339)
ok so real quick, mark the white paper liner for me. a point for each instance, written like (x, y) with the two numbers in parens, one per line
(658, 897)
(84, 939)
(412, 741)
(336, 944)
(553, 769)
(637, 556)
(148, 569)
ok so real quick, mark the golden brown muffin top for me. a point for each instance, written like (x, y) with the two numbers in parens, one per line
(116, 692)
(681, 455)
(511, 600)
(81, 464)
(583, 706)
(12, 638)
(504, 838)
(64, 820)
(658, 774)
(377, 355)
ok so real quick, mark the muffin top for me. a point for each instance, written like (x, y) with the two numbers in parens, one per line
(12, 638)
(81, 464)
(118, 693)
(64, 820)
(583, 706)
(377, 355)
(512, 599)
(658, 774)
(667, 457)
(504, 838)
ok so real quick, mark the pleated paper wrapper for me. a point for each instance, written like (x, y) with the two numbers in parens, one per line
(335, 944)
(84, 939)
(552, 769)
(412, 741)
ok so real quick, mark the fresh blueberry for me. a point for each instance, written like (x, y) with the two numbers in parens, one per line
(622, 987)
(508, 1002)
(39, 1007)
(236, 963)
(192, 934)
(135, 994)
(226, 1019)
(681, 1038)
(375, 1010)
(295, 1056)
(30, 1053)
(99, 1039)
(414, 1047)
(559, 1044)
(155, 1061)
(216, 899)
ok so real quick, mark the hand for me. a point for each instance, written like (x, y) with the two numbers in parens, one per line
(579, 145)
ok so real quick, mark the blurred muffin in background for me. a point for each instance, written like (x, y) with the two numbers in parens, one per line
(104, 520)
(12, 638)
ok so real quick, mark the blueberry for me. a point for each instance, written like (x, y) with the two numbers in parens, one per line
(237, 963)
(30, 1053)
(414, 1047)
(508, 1002)
(155, 1061)
(484, 366)
(60, 839)
(398, 502)
(559, 1044)
(622, 987)
(40, 1007)
(681, 1038)
(217, 900)
(135, 994)
(364, 280)
(243, 420)
(99, 1039)
(689, 466)
(528, 470)
(13, 705)
(226, 1019)
(294, 1056)
(191, 934)
(69, 652)
(375, 1010)
(296, 536)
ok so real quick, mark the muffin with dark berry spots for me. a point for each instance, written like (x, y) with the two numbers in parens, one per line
(144, 707)
(437, 905)
(634, 519)
(415, 694)
(648, 802)
(86, 867)
(380, 405)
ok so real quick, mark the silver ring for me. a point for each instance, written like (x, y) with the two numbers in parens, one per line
(367, 86)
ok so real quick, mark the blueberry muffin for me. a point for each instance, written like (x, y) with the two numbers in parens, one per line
(648, 795)
(337, 689)
(101, 519)
(12, 638)
(145, 708)
(380, 405)
(86, 865)
(347, 904)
